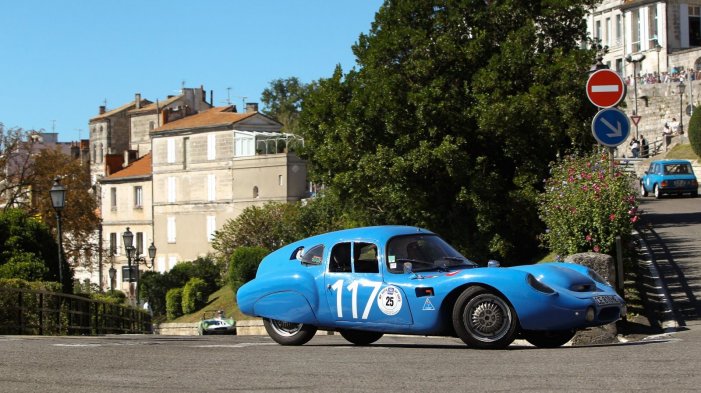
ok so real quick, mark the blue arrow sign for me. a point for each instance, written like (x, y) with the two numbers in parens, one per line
(611, 127)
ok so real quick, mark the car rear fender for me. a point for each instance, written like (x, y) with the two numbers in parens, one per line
(273, 296)
(289, 306)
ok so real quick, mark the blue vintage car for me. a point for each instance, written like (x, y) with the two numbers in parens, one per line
(669, 177)
(366, 282)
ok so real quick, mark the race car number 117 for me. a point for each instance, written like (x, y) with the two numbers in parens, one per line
(389, 300)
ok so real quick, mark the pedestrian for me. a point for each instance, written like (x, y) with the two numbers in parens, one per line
(635, 147)
(644, 152)
(667, 134)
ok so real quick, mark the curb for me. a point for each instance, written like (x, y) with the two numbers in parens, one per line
(668, 323)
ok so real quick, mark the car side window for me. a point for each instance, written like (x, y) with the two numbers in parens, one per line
(651, 170)
(340, 260)
(365, 258)
(314, 255)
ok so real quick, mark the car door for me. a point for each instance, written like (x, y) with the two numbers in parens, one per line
(647, 180)
(355, 290)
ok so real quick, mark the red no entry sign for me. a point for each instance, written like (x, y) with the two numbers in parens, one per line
(605, 88)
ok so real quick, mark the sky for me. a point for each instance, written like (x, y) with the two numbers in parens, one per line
(61, 60)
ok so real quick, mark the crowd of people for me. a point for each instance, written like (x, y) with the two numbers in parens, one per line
(676, 75)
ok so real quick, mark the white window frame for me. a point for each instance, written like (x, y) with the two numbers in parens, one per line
(170, 150)
(171, 189)
(138, 197)
(211, 227)
(211, 147)
(211, 187)
(171, 229)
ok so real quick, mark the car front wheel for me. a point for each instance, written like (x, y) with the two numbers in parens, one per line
(287, 333)
(643, 191)
(549, 339)
(483, 319)
(359, 337)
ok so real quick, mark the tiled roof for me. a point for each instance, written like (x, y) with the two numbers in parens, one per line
(218, 116)
(140, 167)
(152, 106)
(120, 109)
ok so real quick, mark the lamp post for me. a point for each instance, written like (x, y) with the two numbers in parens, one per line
(132, 254)
(658, 48)
(635, 59)
(681, 87)
(58, 201)
(113, 274)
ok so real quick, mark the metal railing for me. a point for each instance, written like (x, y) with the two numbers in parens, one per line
(25, 311)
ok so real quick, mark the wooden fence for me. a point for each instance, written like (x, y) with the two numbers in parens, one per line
(25, 311)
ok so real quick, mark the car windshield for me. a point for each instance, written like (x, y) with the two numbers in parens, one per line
(424, 252)
(677, 169)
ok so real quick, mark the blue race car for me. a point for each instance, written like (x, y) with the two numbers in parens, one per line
(669, 177)
(366, 282)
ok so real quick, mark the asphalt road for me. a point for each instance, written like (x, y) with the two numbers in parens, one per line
(143, 363)
(150, 363)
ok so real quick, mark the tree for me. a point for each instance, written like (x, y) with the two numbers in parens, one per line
(79, 217)
(27, 249)
(694, 132)
(269, 226)
(283, 101)
(15, 167)
(452, 118)
(243, 265)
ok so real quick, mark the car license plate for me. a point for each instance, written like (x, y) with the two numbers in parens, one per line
(605, 300)
(679, 183)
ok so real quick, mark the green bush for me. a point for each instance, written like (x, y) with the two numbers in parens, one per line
(243, 265)
(585, 207)
(174, 306)
(694, 132)
(194, 295)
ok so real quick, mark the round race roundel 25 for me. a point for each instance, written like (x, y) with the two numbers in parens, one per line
(390, 300)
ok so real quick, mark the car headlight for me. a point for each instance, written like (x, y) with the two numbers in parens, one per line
(538, 286)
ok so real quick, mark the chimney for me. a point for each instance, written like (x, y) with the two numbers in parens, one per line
(126, 159)
(251, 107)
(137, 100)
(102, 109)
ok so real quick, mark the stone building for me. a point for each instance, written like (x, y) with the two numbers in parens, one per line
(176, 170)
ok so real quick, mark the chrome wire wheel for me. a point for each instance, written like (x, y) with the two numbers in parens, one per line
(289, 333)
(484, 319)
(487, 317)
(286, 329)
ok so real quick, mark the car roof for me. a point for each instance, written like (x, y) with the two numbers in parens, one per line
(670, 161)
(381, 233)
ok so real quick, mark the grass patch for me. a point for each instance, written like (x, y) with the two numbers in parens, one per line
(682, 152)
(223, 299)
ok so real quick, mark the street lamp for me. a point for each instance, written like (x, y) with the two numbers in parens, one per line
(133, 254)
(113, 274)
(635, 59)
(658, 48)
(681, 88)
(58, 201)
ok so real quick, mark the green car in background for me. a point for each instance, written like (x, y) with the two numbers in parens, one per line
(214, 322)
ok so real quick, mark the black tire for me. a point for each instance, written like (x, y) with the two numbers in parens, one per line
(359, 337)
(549, 339)
(656, 190)
(643, 191)
(287, 333)
(483, 319)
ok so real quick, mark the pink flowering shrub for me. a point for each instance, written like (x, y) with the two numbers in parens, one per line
(585, 207)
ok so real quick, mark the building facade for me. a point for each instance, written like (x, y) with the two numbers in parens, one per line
(185, 169)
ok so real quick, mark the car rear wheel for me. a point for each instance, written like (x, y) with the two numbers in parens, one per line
(658, 193)
(483, 319)
(549, 339)
(359, 337)
(287, 333)
(643, 191)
